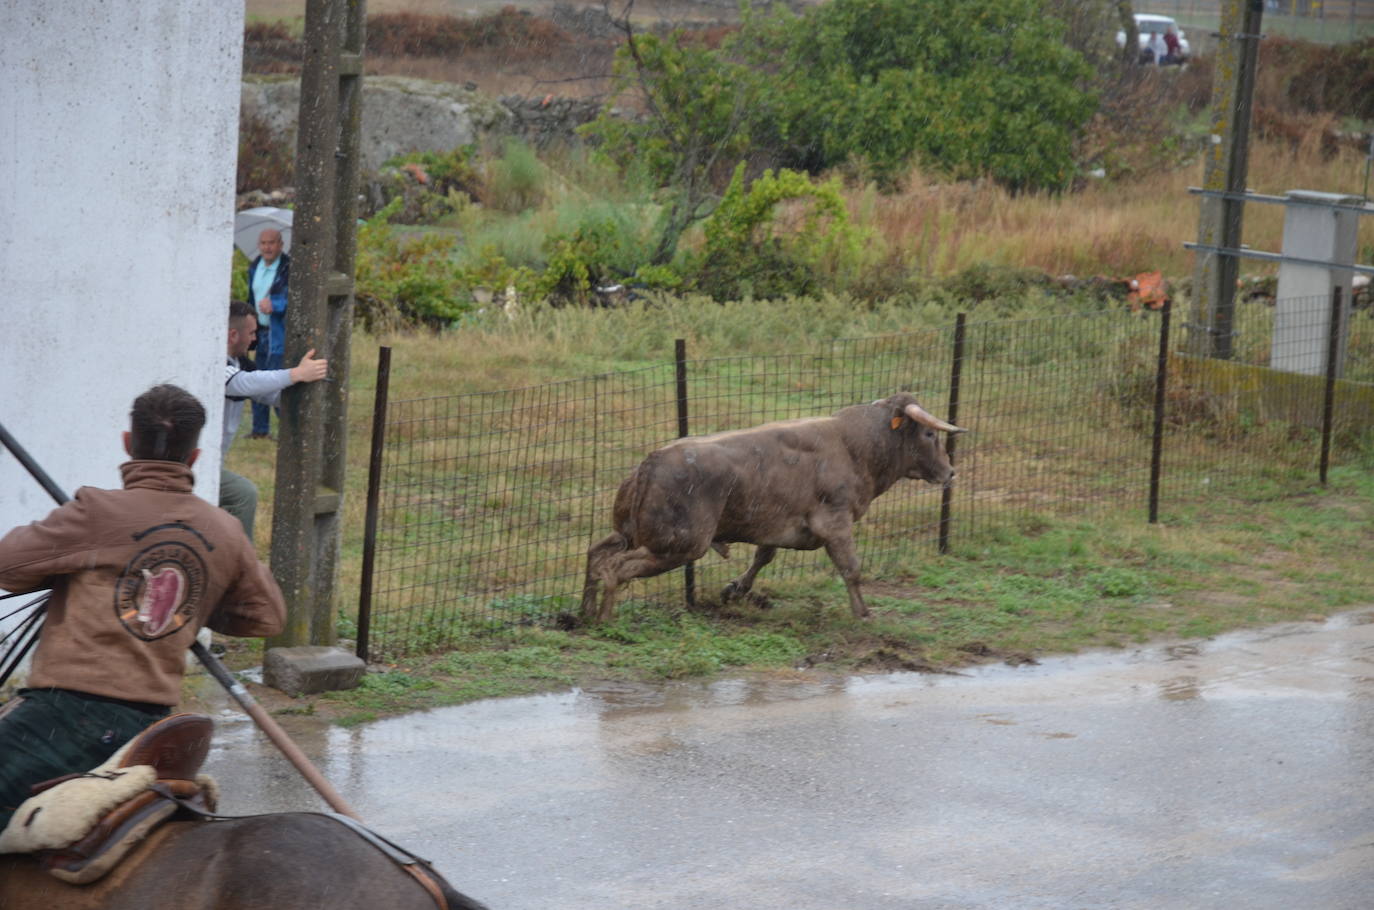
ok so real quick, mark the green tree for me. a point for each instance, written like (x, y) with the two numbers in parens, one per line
(974, 88)
(696, 105)
(978, 87)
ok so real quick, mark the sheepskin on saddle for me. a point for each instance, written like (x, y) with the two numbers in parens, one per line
(82, 825)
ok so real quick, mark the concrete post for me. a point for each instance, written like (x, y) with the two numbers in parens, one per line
(307, 509)
(1302, 317)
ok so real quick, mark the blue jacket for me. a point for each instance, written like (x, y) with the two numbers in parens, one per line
(276, 342)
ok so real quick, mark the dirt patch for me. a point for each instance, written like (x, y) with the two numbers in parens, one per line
(981, 652)
(886, 660)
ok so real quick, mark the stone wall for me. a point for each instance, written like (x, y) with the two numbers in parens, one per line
(403, 115)
(399, 115)
(547, 121)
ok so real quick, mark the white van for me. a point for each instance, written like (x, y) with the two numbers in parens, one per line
(1152, 28)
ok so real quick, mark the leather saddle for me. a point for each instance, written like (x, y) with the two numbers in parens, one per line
(175, 747)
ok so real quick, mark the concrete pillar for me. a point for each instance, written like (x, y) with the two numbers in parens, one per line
(1302, 318)
(118, 135)
(1225, 164)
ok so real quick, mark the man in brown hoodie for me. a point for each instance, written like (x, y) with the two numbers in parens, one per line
(135, 573)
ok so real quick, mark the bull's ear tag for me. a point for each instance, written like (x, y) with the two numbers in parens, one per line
(896, 422)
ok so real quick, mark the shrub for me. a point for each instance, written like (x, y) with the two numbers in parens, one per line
(270, 47)
(419, 35)
(445, 171)
(582, 259)
(514, 181)
(266, 161)
(978, 88)
(985, 281)
(491, 271)
(774, 239)
(238, 276)
(1135, 130)
(1307, 77)
(428, 185)
(406, 279)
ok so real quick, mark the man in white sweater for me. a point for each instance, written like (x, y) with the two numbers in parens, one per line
(237, 494)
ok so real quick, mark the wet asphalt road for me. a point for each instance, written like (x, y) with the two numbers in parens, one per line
(1230, 773)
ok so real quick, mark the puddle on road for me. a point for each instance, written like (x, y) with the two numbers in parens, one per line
(1294, 658)
(1218, 761)
(1180, 688)
(616, 697)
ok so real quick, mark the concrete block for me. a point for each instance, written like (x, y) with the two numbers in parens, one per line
(309, 669)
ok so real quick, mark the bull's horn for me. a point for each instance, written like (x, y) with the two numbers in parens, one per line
(925, 418)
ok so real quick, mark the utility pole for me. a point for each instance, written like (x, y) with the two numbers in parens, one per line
(1227, 162)
(308, 505)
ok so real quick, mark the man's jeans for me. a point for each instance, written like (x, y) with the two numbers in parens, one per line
(45, 733)
(262, 414)
(239, 497)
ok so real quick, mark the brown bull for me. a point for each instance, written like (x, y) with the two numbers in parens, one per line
(795, 484)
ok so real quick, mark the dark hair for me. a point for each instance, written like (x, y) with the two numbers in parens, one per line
(165, 424)
(239, 309)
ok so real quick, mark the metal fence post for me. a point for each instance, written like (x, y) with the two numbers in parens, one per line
(689, 572)
(956, 368)
(1157, 440)
(1333, 346)
(374, 483)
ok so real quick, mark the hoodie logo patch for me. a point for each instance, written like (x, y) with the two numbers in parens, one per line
(162, 593)
(160, 590)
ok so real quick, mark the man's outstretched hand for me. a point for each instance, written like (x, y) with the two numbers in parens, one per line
(310, 369)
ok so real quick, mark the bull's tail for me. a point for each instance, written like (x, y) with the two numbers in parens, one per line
(629, 499)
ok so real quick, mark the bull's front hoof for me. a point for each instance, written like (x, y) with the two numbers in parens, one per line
(730, 592)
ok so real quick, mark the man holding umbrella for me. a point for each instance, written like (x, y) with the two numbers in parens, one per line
(268, 275)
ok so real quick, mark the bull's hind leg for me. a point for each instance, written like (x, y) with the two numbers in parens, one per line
(742, 585)
(618, 568)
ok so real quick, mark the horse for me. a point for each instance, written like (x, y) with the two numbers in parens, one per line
(279, 861)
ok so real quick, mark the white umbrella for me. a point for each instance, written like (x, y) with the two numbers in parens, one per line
(249, 223)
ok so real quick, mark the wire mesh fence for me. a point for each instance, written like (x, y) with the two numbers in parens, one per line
(488, 502)
(1257, 424)
(1329, 21)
